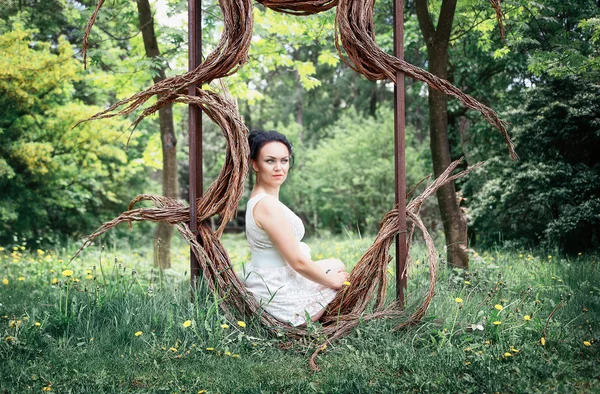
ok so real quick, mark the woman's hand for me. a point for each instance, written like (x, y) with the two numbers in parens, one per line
(337, 279)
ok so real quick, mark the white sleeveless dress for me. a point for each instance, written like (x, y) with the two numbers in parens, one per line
(281, 291)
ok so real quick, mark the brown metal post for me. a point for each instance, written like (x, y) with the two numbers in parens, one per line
(194, 125)
(399, 148)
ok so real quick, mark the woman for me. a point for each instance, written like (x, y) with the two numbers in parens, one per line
(281, 275)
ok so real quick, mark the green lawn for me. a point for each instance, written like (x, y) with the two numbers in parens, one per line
(482, 333)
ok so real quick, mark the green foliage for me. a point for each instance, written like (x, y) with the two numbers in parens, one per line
(55, 180)
(347, 180)
(561, 37)
(553, 193)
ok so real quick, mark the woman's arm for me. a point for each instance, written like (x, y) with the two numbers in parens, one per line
(270, 216)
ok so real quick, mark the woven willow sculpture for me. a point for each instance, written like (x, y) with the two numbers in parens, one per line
(353, 35)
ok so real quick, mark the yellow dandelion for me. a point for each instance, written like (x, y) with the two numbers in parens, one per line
(241, 324)
(52, 271)
(187, 323)
(37, 324)
(324, 347)
(549, 256)
(498, 306)
(497, 323)
(14, 323)
(9, 339)
(346, 283)
(507, 354)
(224, 326)
(1, 248)
(89, 272)
(587, 343)
(202, 392)
(5, 281)
(173, 349)
(543, 341)
(54, 281)
(526, 317)
(46, 388)
(467, 363)
(235, 355)
(22, 247)
(137, 334)
(40, 252)
(210, 349)
(15, 248)
(21, 278)
(467, 282)
(227, 353)
(67, 273)
(458, 299)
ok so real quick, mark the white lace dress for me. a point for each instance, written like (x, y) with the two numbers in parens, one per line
(281, 291)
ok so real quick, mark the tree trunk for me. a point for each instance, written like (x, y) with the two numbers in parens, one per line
(373, 100)
(437, 40)
(164, 231)
(299, 103)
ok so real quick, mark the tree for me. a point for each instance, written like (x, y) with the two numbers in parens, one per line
(551, 195)
(437, 40)
(164, 231)
(56, 181)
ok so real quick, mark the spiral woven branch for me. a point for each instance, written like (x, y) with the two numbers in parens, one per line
(354, 33)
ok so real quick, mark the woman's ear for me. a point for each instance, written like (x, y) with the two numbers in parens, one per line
(254, 165)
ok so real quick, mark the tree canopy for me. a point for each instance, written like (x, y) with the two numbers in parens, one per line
(58, 181)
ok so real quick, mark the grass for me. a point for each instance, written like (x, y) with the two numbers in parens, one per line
(78, 334)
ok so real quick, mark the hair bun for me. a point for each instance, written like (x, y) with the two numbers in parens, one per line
(258, 138)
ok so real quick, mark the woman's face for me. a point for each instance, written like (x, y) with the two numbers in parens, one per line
(273, 163)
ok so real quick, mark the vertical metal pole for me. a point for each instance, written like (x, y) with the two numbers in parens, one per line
(194, 125)
(399, 147)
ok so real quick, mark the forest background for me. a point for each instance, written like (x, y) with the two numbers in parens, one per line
(59, 183)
